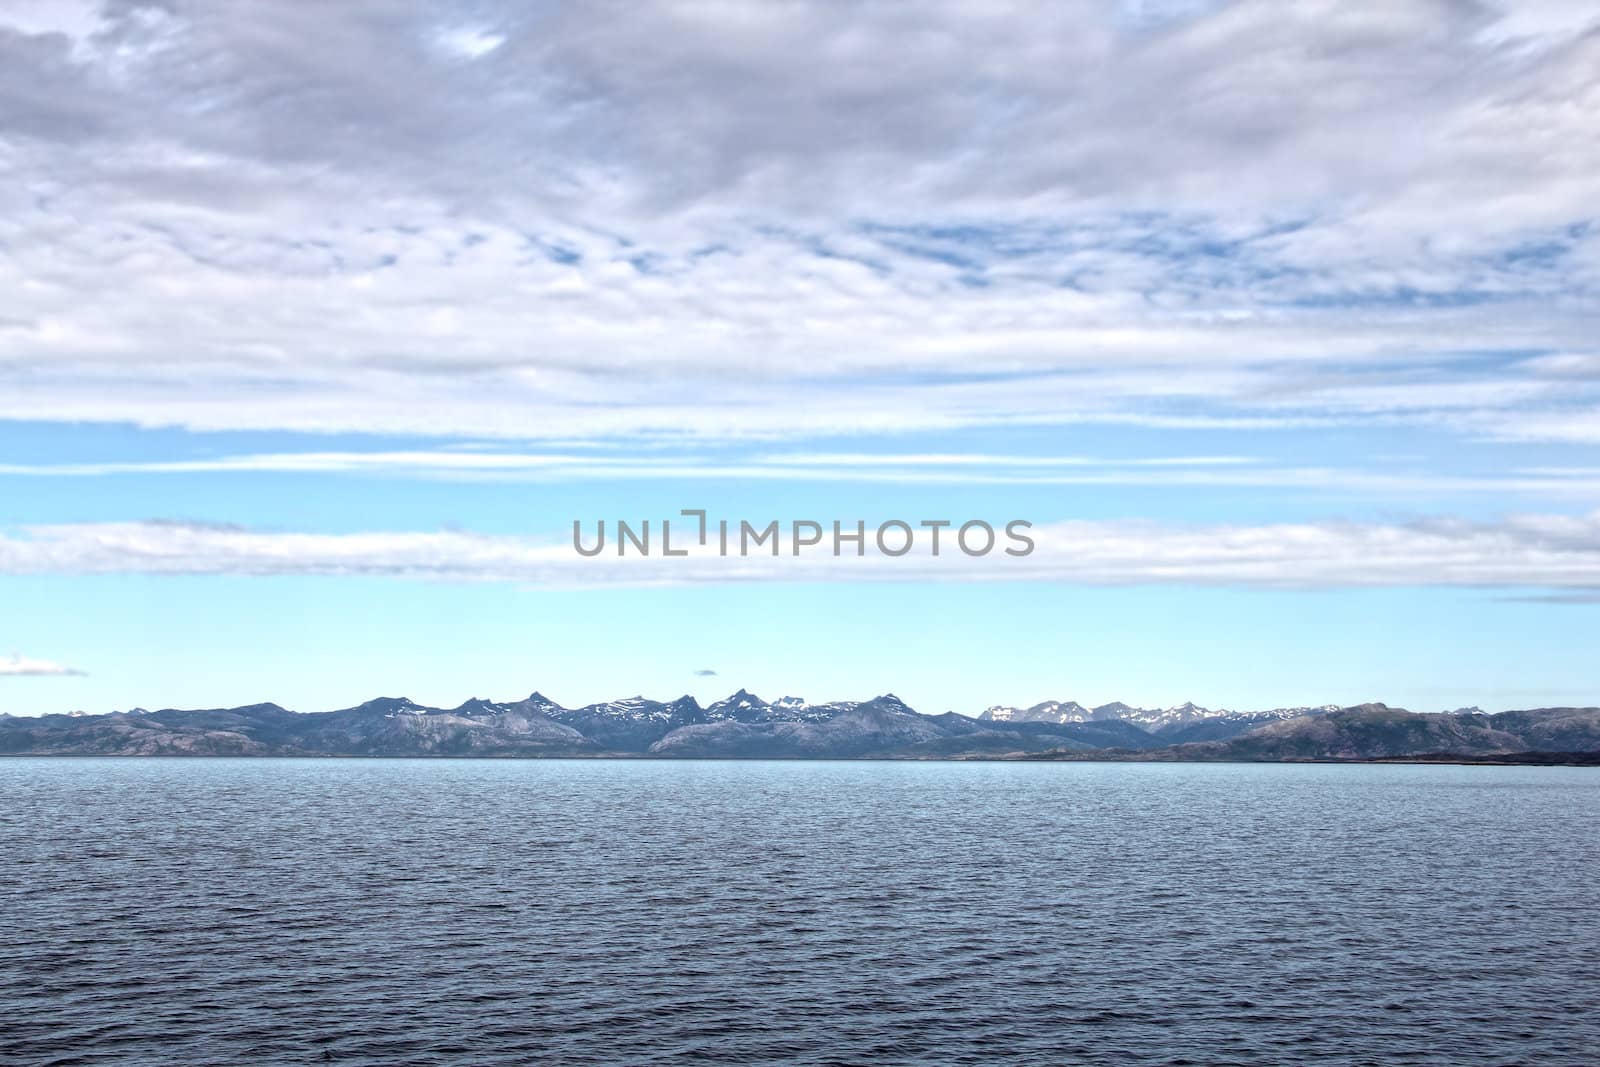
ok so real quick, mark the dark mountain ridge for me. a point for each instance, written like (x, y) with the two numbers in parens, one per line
(743, 725)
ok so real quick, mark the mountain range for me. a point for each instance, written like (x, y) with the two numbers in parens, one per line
(745, 726)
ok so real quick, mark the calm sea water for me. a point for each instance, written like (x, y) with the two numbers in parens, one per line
(194, 911)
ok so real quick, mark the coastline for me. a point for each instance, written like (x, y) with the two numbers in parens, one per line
(1512, 759)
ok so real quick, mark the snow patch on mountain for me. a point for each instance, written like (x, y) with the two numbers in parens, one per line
(1151, 720)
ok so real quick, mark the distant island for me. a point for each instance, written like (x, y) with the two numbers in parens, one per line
(743, 726)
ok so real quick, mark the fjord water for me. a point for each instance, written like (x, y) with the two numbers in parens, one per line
(200, 911)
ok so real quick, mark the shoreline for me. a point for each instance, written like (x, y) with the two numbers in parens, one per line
(1518, 759)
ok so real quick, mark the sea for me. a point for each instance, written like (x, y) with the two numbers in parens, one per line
(188, 911)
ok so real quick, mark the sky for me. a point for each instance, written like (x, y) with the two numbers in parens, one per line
(321, 325)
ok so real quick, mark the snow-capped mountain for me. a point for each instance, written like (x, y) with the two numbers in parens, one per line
(387, 707)
(742, 706)
(1049, 711)
(1297, 713)
(1152, 720)
(745, 706)
(744, 725)
(630, 720)
(1113, 712)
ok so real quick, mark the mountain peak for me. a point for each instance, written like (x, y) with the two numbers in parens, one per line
(386, 704)
(742, 706)
(881, 727)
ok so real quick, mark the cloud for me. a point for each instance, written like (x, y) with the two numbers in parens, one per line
(670, 219)
(17, 665)
(1552, 554)
(900, 468)
(703, 673)
(468, 42)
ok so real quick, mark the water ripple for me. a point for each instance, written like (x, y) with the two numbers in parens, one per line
(375, 912)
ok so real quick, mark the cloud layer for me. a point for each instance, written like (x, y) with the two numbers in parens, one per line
(20, 666)
(695, 218)
(1565, 483)
(1557, 555)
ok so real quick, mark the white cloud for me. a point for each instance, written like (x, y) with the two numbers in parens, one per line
(1555, 554)
(468, 42)
(74, 19)
(16, 665)
(940, 468)
(959, 460)
(672, 218)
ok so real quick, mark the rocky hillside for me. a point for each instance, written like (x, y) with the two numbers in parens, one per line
(745, 726)
(1376, 731)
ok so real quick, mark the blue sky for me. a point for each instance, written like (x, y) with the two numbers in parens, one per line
(323, 325)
